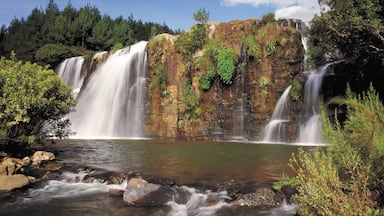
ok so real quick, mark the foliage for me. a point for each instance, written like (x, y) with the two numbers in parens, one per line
(226, 67)
(252, 46)
(263, 81)
(296, 90)
(52, 53)
(83, 27)
(30, 95)
(190, 100)
(351, 27)
(190, 42)
(341, 179)
(271, 48)
(201, 16)
(268, 18)
(160, 78)
(117, 47)
(207, 79)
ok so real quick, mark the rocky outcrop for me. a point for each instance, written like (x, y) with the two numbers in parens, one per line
(14, 171)
(238, 110)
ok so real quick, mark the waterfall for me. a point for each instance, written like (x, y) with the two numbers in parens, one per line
(112, 102)
(275, 129)
(72, 72)
(310, 131)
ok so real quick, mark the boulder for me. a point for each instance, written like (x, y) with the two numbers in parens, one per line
(12, 182)
(40, 156)
(140, 193)
(10, 166)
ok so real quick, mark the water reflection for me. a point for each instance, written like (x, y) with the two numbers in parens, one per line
(187, 162)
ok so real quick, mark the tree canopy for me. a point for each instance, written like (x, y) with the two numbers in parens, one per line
(31, 96)
(71, 27)
(354, 28)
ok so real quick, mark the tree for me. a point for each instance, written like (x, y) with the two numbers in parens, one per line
(354, 28)
(201, 16)
(30, 96)
(101, 37)
(87, 18)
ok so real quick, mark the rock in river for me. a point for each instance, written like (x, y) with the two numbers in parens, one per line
(11, 182)
(143, 194)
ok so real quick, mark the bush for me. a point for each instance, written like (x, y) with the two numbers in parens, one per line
(226, 65)
(296, 90)
(253, 48)
(346, 177)
(30, 96)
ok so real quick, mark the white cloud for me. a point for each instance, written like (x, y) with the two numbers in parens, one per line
(297, 12)
(299, 9)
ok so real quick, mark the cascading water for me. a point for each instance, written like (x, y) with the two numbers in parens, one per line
(275, 129)
(112, 102)
(310, 131)
(72, 72)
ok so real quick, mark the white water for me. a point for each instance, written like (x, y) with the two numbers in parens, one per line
(198, 204)
(275, 129)
(70, 185)
(72, 72)
(310, 131)
(112, 103)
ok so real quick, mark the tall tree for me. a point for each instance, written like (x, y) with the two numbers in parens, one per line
(101, 37)
(88, 17)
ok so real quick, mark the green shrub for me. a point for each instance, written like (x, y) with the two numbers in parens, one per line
(190, 101)
(252, 46)
(340, 179)
(207, 79)
(263, 81)
(30, 96)
(271, 48)
(268, 18)
(159, 78)
(296, 90)
(226, 65)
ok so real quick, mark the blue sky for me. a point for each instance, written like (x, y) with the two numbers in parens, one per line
(177, 14)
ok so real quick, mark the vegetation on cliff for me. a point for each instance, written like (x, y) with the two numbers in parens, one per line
(32, 100)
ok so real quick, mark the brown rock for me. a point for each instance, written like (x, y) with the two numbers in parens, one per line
(12, 182)
(40, 156)
(10, 166)
(53, 166)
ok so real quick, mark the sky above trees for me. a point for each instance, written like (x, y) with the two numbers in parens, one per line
(177, 14)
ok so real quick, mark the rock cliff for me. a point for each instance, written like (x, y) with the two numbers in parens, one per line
(180, 105)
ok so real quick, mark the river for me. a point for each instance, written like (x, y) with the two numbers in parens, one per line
(188, 163)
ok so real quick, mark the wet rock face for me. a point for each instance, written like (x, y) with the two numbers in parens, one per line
(241, 109)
